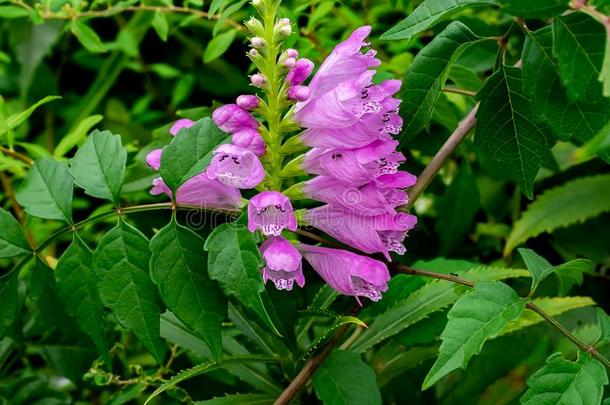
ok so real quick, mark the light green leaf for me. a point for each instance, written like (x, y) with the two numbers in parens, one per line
(190, 152)
(506, 128)
(579, 45)
(77, 289)
(537, 265)
(427, 74)
(16, 119)
(430, 298)
(47, 190)
(204, 368)
(428, 14)
(160, 24)
(215, 6)
(218, 46)
(12, 239)
(343, 379)
(178, 259)
(13, 12)
(604, 74)
(603, 320)
(473, 319)
(9, 300)
(534, 8)
(121, 266)
(571, 203)
(99, 165)
(239, 399)
(76, 136)
(87, 37)
(599, 143)
(565, 382)
(235, 261)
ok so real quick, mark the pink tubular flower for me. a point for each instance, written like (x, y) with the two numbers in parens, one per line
(283, 263)
(300, 72)
(272, 212)
(180, 124)
(250, 139)
(232, 118)
(153, 159)
(202, 192)
(247, 101)
(347, 272)
(381, 233)
(236, 166)
(298, 93)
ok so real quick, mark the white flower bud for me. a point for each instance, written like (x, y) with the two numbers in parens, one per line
(258, 80)
(290, 63)
(257, 42)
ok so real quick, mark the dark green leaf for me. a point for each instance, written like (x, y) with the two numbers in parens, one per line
(12, 239)
(190, 152)
(235, 261)
(121, 266)
(87, 37)
(507, 130)
(77, 289)
(345, 379)
(99, 165)
(474, 318)
(457, 209)
(9, 300)
(428, 14)
(566, 382)
(603, 321)
(239, 399)
(178, 259)
(47, 190)
(579, 45)
(534, 8)
(571, 273)
(218, 46)
(16, 119)
(427, 74)
(537, 265)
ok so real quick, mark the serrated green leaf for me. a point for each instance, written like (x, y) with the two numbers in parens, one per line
(603, 321)
(430, 298)
(9, 300)
(77, 289)
(457, 209)
(87, 37)
(428, 14)
(178, 259)
(343, 378)
(47, 190)
(579, 45)
(565, 382)
(537, 265)
(239, 399)
(16, 119)
(534, 8)
(204, 368)
(506, 128)
(77, 135)
(160, 25)
(573, 202)
(235, 261)
(99, 165)
(552, 306)
(218, 46)
(12, 239)
(474, 318)
(121, 266)
(571, 273)
(190, 152)
(427, 74)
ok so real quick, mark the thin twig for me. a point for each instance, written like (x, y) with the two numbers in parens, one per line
(16, 155)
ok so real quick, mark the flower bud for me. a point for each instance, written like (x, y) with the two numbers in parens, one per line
(285, 30)
(257, 3)
(253, 53)
(283, 21)
(247, 101)
(291, 53)
(255, 26)
(258, 80)
(298, 93)
(257, 42)
(290, 63)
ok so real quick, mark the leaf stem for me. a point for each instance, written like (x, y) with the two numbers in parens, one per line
(16, 155)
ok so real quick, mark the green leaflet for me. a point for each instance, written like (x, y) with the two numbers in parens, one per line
(506, 128)
(218, 46)
(47, 190)
(237, 399)
(12, 239)
(76, 135)
(537, 265)
(474, 318)
(9, 301)
(534, 8)
(14, 120)
(87, 36)
(77, 289)
(190, 152)
(178, 259)
(160, 25)
(121, 266)
(427, 74)
(428, 14)
(234, 261)
(573, 202)
(603, 320)
(99, 165)
(562, 381)
(343, 379)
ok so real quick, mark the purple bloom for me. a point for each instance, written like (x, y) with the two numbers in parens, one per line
(236, 166)
(298, 93)
(272, 212)
(250, 139)
(202, 192)
(153, 159)
(178, 125)
(300, 72)
(282, 263)
(347, 272)
(232, 118)
(247, 101)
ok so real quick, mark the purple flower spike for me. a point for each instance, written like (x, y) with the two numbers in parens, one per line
(249, 139)
(236, 167)
(178, 125)
(272, 212)
(232, 118)
(247, 101)
(202, 192)
(283, 263)
(301, 71)
(347, 272)
(153, 159)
